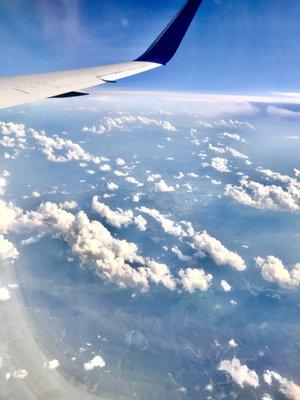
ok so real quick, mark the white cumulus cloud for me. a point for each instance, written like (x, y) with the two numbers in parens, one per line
(268, 197)
(52, 364)
(273, 270)
(225, 285)
(220, 164)
(166, 223)
(193, 279)
(59, 150)
(203, 242)
(289, 388)
(96, 362)
(4, 294)
(239, 373)
(162, 186)
(8, 252)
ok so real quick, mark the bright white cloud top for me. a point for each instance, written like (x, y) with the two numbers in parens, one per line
(240, 374)
(126, 227)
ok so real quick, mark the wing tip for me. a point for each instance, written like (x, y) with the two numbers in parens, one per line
(166, 45)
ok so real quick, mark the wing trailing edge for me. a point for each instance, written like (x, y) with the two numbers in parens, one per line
(17, 90)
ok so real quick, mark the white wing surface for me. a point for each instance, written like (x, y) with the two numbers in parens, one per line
(18, 90)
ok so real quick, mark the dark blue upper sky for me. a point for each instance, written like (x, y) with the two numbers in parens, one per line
(246, 46)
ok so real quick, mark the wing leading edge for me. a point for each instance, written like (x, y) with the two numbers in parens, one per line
(18, 90)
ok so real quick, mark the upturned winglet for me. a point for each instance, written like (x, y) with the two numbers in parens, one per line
(166, 45)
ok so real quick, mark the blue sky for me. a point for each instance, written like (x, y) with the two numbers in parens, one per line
(248, 46)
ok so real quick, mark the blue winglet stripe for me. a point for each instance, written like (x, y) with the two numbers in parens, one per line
(166, 45)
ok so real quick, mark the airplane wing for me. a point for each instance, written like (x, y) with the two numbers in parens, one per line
(18, 90)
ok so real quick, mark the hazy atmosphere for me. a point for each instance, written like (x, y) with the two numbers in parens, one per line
(149, 232)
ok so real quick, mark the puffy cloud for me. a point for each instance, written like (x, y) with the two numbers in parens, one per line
(136, 197)
(266, 397)
(225, 285)
(112, 186)
(169, 226)
(289, 388)
(93, 244)
(35, 195)
(105, 167)
(8, 216)
(8, 252)
(203, 242)
(120, 162)
(89, 240)
(216, 149)
(134, 181)
(232, 343)
(120, 173)
(162, 186)
(239, 373)
(68, 205)
(118, 218)
(236, 154)
(233, 136)
(10, 128)
(59, 150)
(3, 184)
(4, 296)
(141, 223)
(96, 362)
(273, 270)
(230, 150)
(153, 177)
(19, 374)
(160, 274)
(220, 164)
(126, 122)
(179, 176)
(193, 279)
(180, 255)
(13, 135)
(271, 197)
(230, 123)
(276, 176)
(193, 175)
(53, 364)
